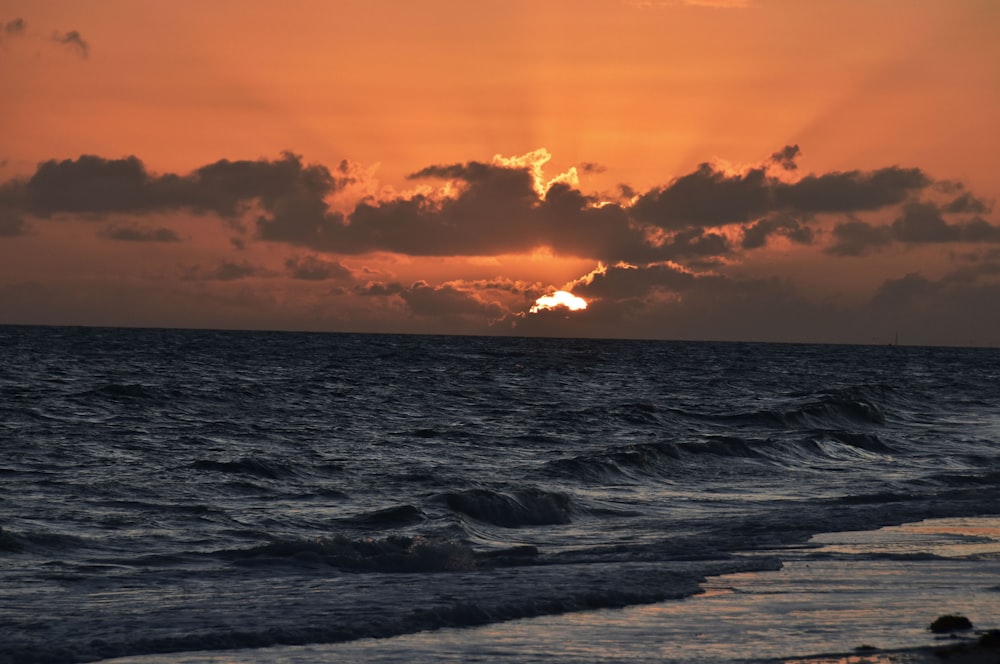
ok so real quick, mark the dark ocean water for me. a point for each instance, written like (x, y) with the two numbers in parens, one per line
(167, 491)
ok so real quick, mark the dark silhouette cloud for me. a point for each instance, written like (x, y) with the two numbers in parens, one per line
(446, 300)
(74, 41)
(568, 222)
(756, 235)
(785, 158)
(226, 271)
(978, 229)
(314, 268)
(378, 289)
(855, 238)
(498, 209)
(443, 301)
(93, 186)
(709, 197)
(225, 185)
(968, 204)
(231, 271)
(14, 28)
(666, 301)
(919, 223)
(623, 281)
(706, 197)
(960, 307)
(133, 233)
(851, 191)
(898, 293)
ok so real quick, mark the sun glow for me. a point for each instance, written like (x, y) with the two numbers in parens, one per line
(559, 299)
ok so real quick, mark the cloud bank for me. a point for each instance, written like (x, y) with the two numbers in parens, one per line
(670, 260)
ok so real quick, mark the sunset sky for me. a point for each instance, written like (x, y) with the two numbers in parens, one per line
(760, 170)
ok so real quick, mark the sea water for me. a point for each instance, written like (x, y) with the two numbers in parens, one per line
(169, 491)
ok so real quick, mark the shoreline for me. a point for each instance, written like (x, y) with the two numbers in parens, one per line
(982, 650)
(868, 597)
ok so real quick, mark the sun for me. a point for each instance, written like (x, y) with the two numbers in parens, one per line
(559, 299)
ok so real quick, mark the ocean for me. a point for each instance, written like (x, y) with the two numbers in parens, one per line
(179, 491)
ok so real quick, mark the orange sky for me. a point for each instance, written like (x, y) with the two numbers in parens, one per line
(848, 193)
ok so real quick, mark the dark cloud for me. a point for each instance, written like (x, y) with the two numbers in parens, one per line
(958, 308)
(709, 197)
(94, 186)
(378, 289)
(624, 281)
(979, 230)
(785, 158)
(226, 271)
(665, 301)
(14, 28)
(968, 204)
(225, 186)
(923, 223)
(852, 191)
(756, 235)
(568, 222)
(133, 233)
(897, 293)
(496, 209)
(492, 214)
(74, 41)
(919, 223)
(232, 271)
(855, 238)
(314, 268)
(696, 243)
(444, 301)
(706, 197)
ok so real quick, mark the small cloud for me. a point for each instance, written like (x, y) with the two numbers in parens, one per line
(856, 238)
(786, 157)
(233, 271)
(313, 268)
(134, 233)
(757, 234)
(14, 28)
(968, 204)
(226, 271)
(73, 40)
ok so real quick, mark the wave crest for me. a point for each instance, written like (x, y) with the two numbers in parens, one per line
(526, 507)
(395, 553)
